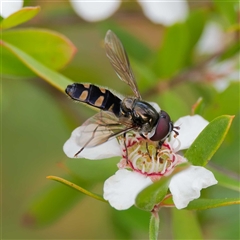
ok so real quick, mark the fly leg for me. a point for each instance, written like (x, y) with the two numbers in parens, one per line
(92, 137)
(124, 141)
(159, 146)
(146, 145)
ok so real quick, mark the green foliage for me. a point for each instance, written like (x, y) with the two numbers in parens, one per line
(54, 78)
(57, 51)
(221, 102)
(178, 44)
(152, 195)
(54, 201)
(76, 187)
(185, 225)
(227, 9)
(32, 122)
(19, 17)
(172, 54)
(156, 192)
(225, 180)
(197, 107)
(202, 204)
(208, 141)
(154, 226)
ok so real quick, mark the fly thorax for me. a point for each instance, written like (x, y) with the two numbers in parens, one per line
(126, 106)
(145, 116)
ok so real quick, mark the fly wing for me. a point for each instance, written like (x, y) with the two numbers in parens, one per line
(102, 127)
(120, 62)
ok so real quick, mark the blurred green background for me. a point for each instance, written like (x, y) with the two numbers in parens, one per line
(37, 119)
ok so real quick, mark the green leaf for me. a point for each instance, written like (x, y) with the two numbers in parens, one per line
(208, 141)
(156, 192)
(21, 16)
(202, 204)
(48, 47)
(195, 23)
(76, 187)
(224, 102)
(53, 78)
(178, 44)
(51, 204)
(185, 225)
(226, 180)
(172, 54)
(197, 107)
(12, 66)
(227, 9)
(154, 226)
(152, 195)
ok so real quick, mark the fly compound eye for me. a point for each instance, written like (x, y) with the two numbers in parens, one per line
(164, 127)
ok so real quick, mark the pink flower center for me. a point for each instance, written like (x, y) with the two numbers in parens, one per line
(143, 156)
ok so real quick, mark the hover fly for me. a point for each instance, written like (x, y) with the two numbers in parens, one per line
(118, 115)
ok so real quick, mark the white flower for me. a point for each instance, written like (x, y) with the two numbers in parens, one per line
(221, 74)
(163, 12)
(212, 40)
(142, 164)
(9, 7)
(95, 10)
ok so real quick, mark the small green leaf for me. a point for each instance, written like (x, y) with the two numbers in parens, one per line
(185, 225)
(76, 187)
(51, 204)
(152, 195)
(208, 141)
(53, 78)
(48, 47)
(21, 16)
(197, 107)
(156, 192)
(202, 204)
(154, 226)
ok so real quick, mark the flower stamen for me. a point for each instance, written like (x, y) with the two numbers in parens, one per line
(145, 157)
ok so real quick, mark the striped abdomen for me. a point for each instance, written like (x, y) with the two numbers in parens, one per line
(95, 96)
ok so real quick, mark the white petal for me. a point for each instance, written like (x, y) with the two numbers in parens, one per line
(122, 188)
(7, 7)
(190, 127)
(108, 149)
(224, 73)
(212, 39)
(186, 185)
(165, 12)
(95, 10)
